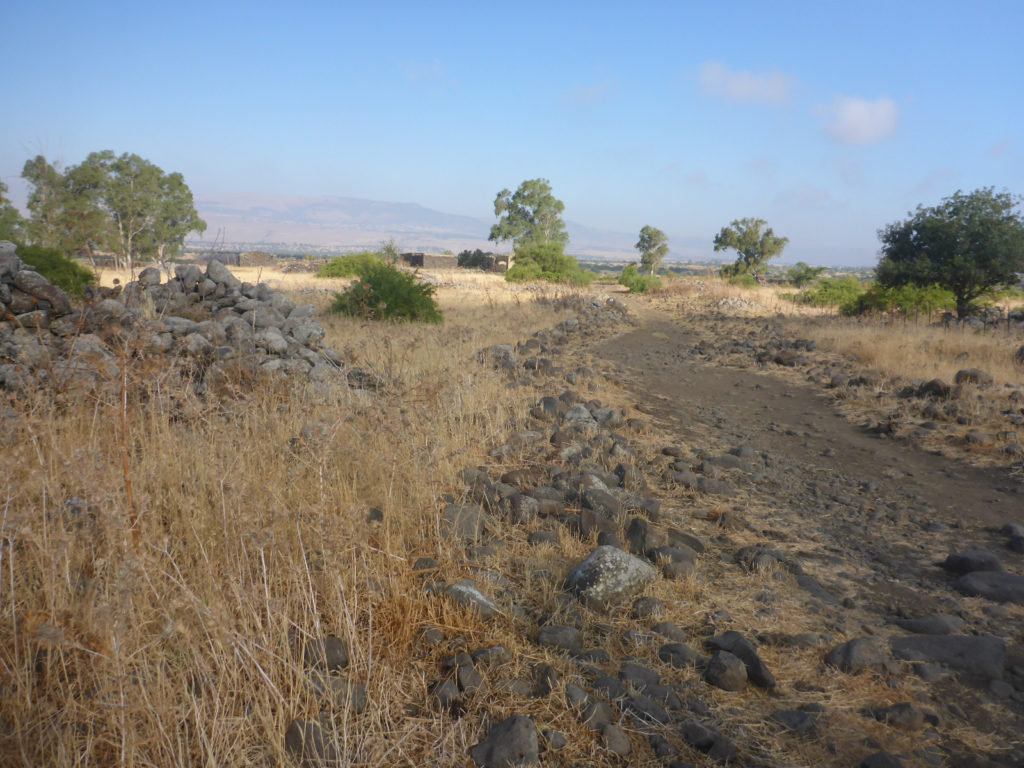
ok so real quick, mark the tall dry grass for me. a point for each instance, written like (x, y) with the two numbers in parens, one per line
(179, 643)
(910, 349)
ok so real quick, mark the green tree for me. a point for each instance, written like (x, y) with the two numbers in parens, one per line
(801, 274)
(532, 216)
(389, 251)
(11, 223)
(968, 244)
(755, 248)
(45, 202)
(653, 247)
(175, 217)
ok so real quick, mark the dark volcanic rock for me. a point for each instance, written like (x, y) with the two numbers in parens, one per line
(308, 743)
(976, 560)
(855, 655)
(744, 650)
(726, 671)
(982, 655)
(932, 625)
(511, 742)
(1001, 587)
(680, 655)
(566, 639)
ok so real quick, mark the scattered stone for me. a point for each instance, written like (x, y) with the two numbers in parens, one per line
(597, 715)
(981, 655)
(647, 607)
(726, 671)
(906, 716)
(969, 562)
(465, 593)
(708, 740)
(615, 740)
(466, 522)
(975, 376)
(608, 577)
(306, 741)
(856, 655)
(681, 656)
(568, 639)
(329, 654)
(992, 585)
(932, 625)
(796, 720)
(554, 741)
(512, 742)
(744, 650)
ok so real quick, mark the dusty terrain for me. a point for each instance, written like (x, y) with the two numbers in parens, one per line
(387, 566)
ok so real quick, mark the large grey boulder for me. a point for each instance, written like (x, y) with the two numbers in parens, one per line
(609, 577)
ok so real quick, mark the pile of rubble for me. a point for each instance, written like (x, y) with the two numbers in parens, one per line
(209, 316)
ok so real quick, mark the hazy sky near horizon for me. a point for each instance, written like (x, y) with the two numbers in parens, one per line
(828, 119)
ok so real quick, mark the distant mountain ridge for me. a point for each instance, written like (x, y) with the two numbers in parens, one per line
(281, 223)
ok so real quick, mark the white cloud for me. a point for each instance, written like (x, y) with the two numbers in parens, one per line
(859, 121)
(760, 87)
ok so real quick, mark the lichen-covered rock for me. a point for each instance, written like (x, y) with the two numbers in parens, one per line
(609, 577)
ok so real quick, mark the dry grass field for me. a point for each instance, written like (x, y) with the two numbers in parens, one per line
(168, 551)
(180, 642)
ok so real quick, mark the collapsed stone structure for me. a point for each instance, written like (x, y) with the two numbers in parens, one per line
(208, 316)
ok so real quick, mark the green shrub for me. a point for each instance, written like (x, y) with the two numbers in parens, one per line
(52, 264)
(352, 265)
(385, 293)
(904, 299)
(637, 283)
(831, 292)
(550, 263)
(744, 279)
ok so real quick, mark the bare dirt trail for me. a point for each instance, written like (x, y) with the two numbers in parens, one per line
(797, 421)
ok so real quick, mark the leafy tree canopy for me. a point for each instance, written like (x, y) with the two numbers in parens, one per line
(653, 247)
(754, 246)
(549, 262)
(532, 216)
(968, 244)
(801, 274)
(11, 223)
(123, 203)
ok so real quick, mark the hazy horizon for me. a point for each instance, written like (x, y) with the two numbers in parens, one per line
(827, 120)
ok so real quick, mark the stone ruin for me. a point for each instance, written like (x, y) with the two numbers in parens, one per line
(208, 316)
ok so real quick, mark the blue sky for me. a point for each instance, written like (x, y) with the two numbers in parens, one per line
(828, 119)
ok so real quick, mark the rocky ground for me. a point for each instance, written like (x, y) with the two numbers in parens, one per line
(725, 569)
(699, 547)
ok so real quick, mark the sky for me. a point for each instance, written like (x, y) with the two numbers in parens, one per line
(827, 119)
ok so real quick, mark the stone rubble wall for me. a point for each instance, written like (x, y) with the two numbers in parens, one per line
(209, 316)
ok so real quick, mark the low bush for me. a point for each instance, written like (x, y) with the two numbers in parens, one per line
(904, 299)
(744, 279)
(386, 293)
(52, 264)
(352, 265)
(830, 292)
(550, 263)
(637, 283)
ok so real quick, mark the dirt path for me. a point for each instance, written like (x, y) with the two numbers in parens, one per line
(797, 422)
